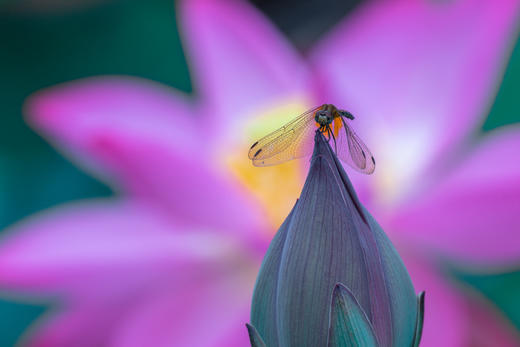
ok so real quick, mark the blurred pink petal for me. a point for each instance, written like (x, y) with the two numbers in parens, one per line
(488, 326)
(83, 326)
(472, 215)
(192, 191)
(238, 60)
(131, 131)
(164, 315)
(418, 74)
(122, 272)
(92, 249)
(207, 312)
(445, 323)
(73, 113)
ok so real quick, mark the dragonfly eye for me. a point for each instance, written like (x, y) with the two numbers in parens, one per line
(322, 117)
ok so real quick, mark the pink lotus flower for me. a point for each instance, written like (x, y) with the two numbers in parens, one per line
(172, 260)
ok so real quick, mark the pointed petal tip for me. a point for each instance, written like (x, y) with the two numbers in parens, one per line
(343, 293)
(349, 324)
(339, 289)
(321, 151)
(420, 319)
(254, 336)
(421, 297)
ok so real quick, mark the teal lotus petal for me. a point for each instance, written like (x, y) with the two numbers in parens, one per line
(254, 337)
(330, 238)
(329, 241)
(400, 288)
(349, 324)
(263, 310)
(420, 320)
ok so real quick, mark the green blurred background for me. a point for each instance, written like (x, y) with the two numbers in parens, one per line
(42, 46)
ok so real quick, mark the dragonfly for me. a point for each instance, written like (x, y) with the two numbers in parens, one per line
(296, 139)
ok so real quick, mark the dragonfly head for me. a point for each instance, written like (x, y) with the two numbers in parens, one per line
(323, 117)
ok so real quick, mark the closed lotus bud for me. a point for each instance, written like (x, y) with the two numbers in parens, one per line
(331, 277)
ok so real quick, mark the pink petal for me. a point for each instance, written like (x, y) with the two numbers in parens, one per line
(472, 215)
(445, 322)
(119, 268)
(488, 327)
(208, 312)
(69, 114)
(215, 302)
(72, 115)
(454, 317)
(240, 62)
(164, 315)
(139, 136)
(417, 74)
(183, 185)
(101, 249)
(83, 326)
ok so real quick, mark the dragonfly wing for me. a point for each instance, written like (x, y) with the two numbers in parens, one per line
(351, 149)
(282, 139)
(299, 145)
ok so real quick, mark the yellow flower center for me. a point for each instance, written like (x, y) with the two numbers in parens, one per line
(275, 187)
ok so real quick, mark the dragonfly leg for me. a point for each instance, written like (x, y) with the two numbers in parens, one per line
(325, 131)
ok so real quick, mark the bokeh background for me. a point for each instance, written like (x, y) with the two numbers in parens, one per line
(44, 43)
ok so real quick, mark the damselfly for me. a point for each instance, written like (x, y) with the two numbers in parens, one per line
(296, 139)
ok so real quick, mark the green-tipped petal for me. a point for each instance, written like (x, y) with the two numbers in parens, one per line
(254, 337)
(263, 310)
(349, 324)
(400, 288)
(420, 320)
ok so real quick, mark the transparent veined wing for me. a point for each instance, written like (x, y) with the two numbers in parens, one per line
(351, 150)
(293, 140)
(300, 145)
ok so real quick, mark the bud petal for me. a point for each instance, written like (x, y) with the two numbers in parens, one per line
(254, 337)
(420, 320)
(349, 324)
(330, 238)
